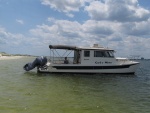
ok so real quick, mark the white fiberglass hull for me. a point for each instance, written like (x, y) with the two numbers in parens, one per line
(122, 69)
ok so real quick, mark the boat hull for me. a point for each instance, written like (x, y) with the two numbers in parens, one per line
(116, 69)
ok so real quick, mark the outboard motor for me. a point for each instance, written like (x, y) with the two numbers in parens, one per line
(38, 62)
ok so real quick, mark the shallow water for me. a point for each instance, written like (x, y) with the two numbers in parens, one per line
(32, 92)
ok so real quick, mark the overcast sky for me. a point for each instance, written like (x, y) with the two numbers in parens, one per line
(30, 26)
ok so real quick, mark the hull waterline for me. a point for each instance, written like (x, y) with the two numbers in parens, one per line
(122, 69)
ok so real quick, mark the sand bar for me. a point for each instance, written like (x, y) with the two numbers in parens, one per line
(9, 57)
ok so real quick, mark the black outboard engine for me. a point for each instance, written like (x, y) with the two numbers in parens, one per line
(38, 62)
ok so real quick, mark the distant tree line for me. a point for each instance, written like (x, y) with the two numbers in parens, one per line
(6, 54)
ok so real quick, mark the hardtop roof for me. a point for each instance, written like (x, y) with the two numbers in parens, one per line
(62, 47)
(68, 47)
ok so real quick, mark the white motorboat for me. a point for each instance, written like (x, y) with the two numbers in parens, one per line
(94, 59)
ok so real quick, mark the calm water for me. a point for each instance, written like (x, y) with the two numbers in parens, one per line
(31, 92)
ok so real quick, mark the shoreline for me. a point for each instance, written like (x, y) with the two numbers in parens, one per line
(10, 57)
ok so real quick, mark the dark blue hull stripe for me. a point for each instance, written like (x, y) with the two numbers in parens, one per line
(93, 67)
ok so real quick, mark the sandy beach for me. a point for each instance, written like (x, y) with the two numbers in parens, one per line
(9, 57)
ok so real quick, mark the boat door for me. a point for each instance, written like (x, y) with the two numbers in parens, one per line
(77, 55)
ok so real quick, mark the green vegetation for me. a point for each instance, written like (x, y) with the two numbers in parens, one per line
(6, 54)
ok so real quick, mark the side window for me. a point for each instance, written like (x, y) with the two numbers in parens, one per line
(111, 54)
(99, 54)
(86, 53)
(103, 54)
(107, 54)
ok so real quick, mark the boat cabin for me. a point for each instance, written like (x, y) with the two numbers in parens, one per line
(81, 55)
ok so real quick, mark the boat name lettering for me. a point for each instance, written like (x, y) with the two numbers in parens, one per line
(108, 62)
(98, 62)
(86, 59)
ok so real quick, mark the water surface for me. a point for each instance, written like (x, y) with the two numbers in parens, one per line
(32, 92)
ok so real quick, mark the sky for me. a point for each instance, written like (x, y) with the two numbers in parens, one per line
(30, 26)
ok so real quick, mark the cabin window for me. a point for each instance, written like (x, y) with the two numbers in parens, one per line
(103, 54)
(86, 53)
(107, 54)
(99, 54)
(111, 53)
